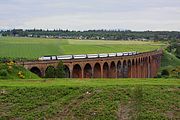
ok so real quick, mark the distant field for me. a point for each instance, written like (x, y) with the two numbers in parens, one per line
(90, 99)
(32, 48)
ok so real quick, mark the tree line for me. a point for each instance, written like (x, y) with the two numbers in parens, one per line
(95, 34)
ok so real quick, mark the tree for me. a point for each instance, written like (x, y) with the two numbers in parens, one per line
(60, 73)
(177, 52)
(50, 72)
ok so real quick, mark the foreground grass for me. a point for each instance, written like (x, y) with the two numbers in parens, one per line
(90, 99)
(19, 47)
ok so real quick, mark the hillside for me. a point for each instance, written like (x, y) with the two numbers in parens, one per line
(12, 71)
(90, 99)
(171, 64)
(170, 60)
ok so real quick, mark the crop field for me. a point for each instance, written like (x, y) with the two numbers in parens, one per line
(32, 48)
(141, 99)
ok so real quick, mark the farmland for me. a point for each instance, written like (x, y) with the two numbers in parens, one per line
(90, 99)
(41, 98)
(32, 48)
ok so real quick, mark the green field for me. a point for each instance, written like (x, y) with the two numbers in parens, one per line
(103, 99)
(32, 48)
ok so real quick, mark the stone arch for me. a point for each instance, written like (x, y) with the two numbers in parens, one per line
(36, 71)
(67, 71)
(129, 68)
(50, 72)
(88, 71)
(97, 70)
(149, 59)
(112, 71)
(133, 69)
(137, 70)
(105, 70)
(141, 68)
(119, 70)
(125, 69)
(77, 71)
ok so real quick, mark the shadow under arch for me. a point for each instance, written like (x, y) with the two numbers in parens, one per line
(36, 71)
(97, 70)
(119, 70)
(105, 70)
(129, 68)
(125, 69)
(77, 71)
(88, 71)
(67, 71)
(112, 70)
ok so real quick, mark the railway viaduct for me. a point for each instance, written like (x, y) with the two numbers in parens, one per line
(143, 65)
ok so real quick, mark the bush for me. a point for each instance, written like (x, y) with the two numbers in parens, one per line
(3, 73)
(60, 73)
(21, 75)
(50, 72)
(165, 72)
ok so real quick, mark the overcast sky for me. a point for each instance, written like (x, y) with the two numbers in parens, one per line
(90, 14)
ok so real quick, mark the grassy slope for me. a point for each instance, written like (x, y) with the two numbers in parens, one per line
(13, 72)
(90, 99)
(35, 47)
(170, 63)
(169, 60)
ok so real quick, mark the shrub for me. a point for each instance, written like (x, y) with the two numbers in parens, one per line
(165, 72)
(50, 72)
(60, 73)
(3, 73)
(21, 75)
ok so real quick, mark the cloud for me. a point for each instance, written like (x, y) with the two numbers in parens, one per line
(94, 14)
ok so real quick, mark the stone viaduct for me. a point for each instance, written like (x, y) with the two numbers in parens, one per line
(143, 65)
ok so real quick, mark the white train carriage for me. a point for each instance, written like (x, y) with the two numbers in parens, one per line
(53, 57)
(112, 54)
(79, 56)
(65, 57)
(130, 53)
(134, 53)
(119, 54)
(47, 58)
(92, 55)
(103, 55)
(125, 53)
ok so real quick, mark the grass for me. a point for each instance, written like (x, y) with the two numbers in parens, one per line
(32, 48)
(113, 99)
(13, 71)
(169, 60)
(87, 82)
(170, 63)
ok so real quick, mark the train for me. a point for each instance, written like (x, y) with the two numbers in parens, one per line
(89, 56)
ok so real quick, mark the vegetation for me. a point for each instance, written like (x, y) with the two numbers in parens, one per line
(91, 99)
(50, 72)
(174, 48)
(171, 64)
(17, 48)
(10, 70)
(139, 99)
(57, 72)
(96, 34)
(60, 73)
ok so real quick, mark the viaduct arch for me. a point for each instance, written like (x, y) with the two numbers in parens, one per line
(144, 65)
